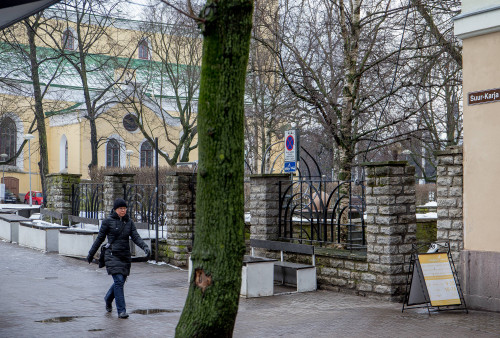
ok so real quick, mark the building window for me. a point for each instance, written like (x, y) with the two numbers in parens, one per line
(113, 153)
(146, 155)
(143, 50)
(129, 123)
(68, 40)
(8, 138)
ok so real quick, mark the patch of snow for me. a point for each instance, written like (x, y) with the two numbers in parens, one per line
(428, 215)
(431, 204)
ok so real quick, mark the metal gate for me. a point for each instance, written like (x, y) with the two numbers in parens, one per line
(329, 213)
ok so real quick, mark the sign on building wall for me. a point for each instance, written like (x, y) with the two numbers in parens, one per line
(484, 96)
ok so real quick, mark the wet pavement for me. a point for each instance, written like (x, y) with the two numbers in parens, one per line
(47, 295)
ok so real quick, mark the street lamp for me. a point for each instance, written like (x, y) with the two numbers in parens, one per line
(129, 153)
(3, 157)
(29, 137)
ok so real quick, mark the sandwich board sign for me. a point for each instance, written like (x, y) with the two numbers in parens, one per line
(432, 280)
(439, 279)
(291, 150)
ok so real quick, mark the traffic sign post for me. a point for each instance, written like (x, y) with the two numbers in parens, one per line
(291, 151)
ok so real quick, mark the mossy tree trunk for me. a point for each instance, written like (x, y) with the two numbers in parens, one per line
(43, 165)
(212, 302)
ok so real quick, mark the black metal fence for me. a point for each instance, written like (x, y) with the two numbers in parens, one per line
(323, 212)
(143, 206)
(87, 200)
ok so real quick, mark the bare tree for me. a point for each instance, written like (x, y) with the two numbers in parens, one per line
(173, 76)
(339, 58)
(268, 100)
(41, 67)
(85, 41)
(437, 81)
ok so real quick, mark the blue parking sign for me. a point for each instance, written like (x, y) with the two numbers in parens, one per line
(290, 167)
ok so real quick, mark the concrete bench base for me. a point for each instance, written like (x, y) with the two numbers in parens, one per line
(76, 242)
(256, 276)
(301, 275)
(137, 251)
(9, 227)
(43, 237)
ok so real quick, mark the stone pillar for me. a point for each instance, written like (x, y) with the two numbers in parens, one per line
(59, 191)
(181, 207)
(391, 227)
(113, 188)
(264, 205)
(450, 199)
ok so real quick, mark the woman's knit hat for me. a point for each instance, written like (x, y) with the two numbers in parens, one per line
(119, 202)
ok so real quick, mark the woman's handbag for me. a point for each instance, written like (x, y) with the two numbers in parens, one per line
(101, 256)
(102, 264)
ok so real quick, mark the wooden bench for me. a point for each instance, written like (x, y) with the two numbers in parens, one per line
(82, 220)
(52, 214)
(301, 275)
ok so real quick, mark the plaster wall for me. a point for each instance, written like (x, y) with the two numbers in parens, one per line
(474, 5)
(481, 71)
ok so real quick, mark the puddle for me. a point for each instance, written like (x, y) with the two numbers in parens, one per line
(58, 319)
(153, 311)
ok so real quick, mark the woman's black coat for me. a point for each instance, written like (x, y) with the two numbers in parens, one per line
(118, 257)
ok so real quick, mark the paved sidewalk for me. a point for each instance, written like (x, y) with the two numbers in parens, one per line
(47, 295)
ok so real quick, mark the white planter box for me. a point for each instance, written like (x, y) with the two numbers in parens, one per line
(9, 227)
(76, 242)
(138, 252)
(40, 235)
(257, 276)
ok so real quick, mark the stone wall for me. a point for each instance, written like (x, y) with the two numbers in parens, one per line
(391, 227)
(450, 199)
(113, 189)
(59, 191)
(264, 198)
(181, 208)
(390, 223)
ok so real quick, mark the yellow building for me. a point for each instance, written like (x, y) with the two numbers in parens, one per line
(127, 84)
(478, 27)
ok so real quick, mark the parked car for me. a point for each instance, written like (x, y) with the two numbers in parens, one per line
(10, 197)
(36, 198)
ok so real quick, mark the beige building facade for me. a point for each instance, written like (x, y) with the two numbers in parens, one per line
(478, 26)
(121, 143)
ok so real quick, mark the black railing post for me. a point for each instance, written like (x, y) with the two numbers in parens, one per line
(157, 184)
(280, 207)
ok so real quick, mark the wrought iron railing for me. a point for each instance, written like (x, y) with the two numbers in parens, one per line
(142, 203)
(323, 212)
(87, 200)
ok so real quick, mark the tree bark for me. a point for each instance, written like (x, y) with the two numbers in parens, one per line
(43, 164)
(212, 302)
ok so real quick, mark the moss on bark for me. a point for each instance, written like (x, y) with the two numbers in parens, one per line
(212, 302)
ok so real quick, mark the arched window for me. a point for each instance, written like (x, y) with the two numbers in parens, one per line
(8, 138)
(113, 153)
(66, 155)
(146, 154)
(143, 50)
(68, 40)
(63, 153)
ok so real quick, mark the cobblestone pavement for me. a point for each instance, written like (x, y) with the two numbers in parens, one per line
(47, 295)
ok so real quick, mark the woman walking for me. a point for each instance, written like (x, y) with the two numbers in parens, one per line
(119, 228)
